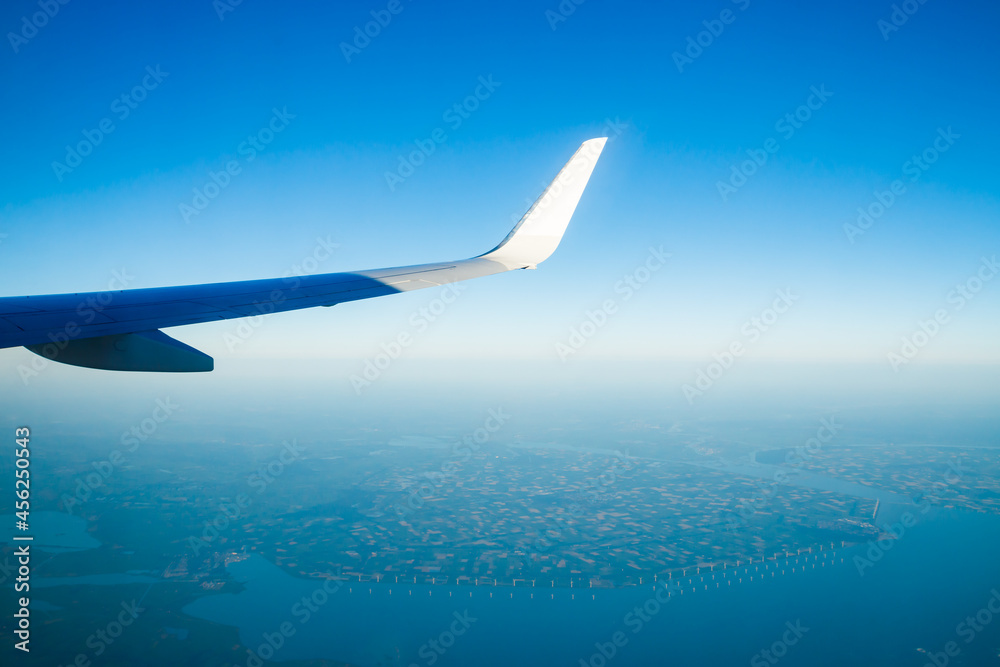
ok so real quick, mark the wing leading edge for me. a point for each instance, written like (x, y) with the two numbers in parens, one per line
(120, 330)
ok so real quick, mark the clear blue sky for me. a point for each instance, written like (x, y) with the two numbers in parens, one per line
(324, 173)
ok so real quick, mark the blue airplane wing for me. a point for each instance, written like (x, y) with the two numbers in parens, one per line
(124, 333)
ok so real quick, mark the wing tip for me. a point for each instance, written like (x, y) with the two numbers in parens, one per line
(596, 144)
(538, 233)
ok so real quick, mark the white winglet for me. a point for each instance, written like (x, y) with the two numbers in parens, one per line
(538, 233)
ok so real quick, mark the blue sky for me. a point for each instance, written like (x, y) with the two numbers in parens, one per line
(346, 124)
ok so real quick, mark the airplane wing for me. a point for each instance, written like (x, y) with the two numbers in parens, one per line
(122, 332)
